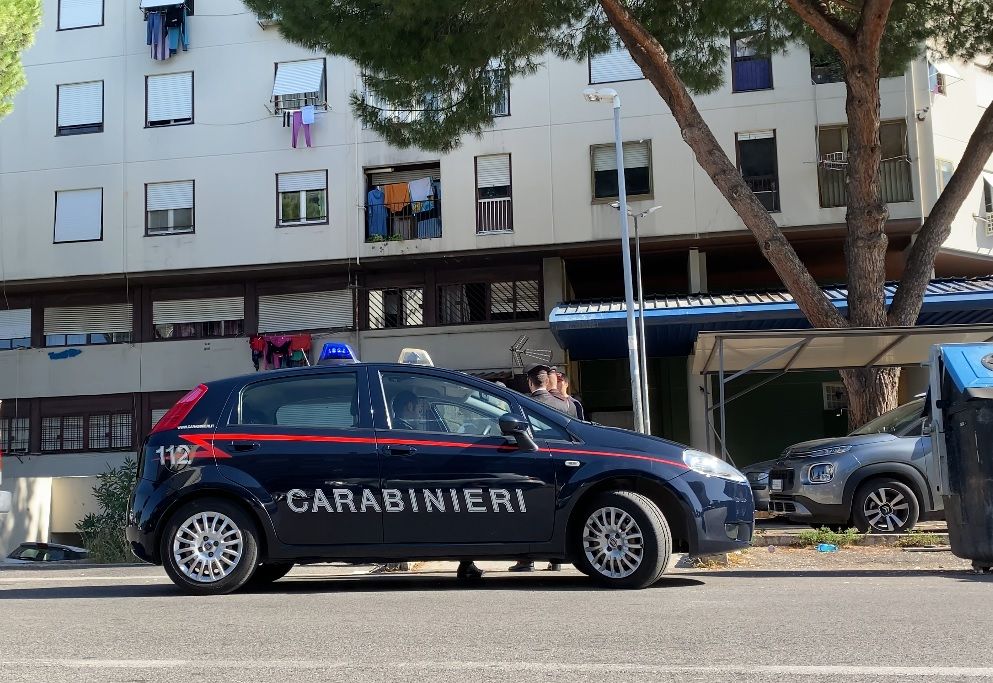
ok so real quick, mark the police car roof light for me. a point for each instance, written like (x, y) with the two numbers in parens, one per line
(337, 353)
(415, 357)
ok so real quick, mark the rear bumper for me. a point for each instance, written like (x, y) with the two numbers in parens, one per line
(5, 502)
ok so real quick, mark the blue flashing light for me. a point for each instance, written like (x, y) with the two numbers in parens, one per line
(335, 353)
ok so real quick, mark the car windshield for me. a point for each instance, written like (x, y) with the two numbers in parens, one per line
(896, 421)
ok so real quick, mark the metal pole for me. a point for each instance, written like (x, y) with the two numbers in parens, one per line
(641, 331)
(724, 447)
(636, 404)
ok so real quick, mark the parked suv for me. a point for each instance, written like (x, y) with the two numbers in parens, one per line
(880, 478)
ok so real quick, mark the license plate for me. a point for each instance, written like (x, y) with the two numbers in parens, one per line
(777, 484)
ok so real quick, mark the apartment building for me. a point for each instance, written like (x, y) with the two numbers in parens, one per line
(183, 194)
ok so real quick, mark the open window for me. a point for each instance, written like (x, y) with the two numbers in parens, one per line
(759, 166)
(299, 84)
(751, 64)
(169, 208)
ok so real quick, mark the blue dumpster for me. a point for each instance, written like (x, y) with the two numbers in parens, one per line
(962, 437)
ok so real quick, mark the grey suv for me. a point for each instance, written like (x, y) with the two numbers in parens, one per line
(880, 478)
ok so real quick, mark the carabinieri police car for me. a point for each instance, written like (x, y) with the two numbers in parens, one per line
(245, 477)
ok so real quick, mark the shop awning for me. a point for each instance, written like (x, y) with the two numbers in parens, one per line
(596, 330)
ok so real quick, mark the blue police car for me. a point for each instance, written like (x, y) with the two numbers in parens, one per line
(245, 477)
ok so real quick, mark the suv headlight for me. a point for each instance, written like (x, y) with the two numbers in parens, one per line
(824, 452)
(758, 477)
(821, 474)
(704, 463)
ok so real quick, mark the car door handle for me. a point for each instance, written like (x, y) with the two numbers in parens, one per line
(245, 446)
(400, 450)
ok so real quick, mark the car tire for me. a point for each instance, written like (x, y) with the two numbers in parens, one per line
(886, 506)
(606, 540)
(268, 573)
(193, 533)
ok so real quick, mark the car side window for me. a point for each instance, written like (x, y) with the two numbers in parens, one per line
(431, 404)
(322, 401)
(546, 430)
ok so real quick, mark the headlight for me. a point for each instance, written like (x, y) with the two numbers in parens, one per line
(705, 463)
(821, 474)
(758, 477)
(824, 452)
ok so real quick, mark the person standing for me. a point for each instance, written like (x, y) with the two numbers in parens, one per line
(564, 389)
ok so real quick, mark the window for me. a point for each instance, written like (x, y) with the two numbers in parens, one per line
(80, 14)
(486, 302)
(80, 108)
(988, 203)
(392, 308)
(751, 66)
(328, 310)
(79, 215)
(169, 99)
(546, 430)
(303, 197)
(299, 84)
(430, 404)
(759, 166)
(199, 318)
(323, 402)
(14, 434)
(946, 170)
(403, 202)
(895, 178)
(494, 206)
(637, 171)
(616, 64)
(935, 79)
(82, 325)
(501, 90)
(15, 329)
(90, 432)
(826, 67)
(169, 208)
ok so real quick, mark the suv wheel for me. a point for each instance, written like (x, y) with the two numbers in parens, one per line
(885, 506)
(209, 547)
(623, 540)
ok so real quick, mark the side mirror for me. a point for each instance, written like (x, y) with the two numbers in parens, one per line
(520, 430)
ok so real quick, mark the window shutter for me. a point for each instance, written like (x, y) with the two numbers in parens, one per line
(293, 78)
(198, 310)
(78, 215)
(404, 176)
(305, 180)
(88, 319)
(80, 104)
(80, 13)
(493, 170)
(757, 135)
(15, 324)
(164, 196)
(158, 415)
(636, 155)
(170, 97)
(307, 311)
(615, 65)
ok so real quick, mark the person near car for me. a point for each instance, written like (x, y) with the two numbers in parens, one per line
(564, 390)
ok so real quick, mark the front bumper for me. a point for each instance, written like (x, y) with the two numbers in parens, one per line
(5, 502)
(807, 510)
(722, 515)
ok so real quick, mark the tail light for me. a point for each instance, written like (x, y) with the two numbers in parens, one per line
(178, 412)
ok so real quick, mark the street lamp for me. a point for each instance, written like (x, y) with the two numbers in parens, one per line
(610, 95)
(642, 343)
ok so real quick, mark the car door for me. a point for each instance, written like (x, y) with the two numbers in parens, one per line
(449, 475)
(307, 438)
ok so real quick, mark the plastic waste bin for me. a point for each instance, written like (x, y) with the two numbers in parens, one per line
(962, 437)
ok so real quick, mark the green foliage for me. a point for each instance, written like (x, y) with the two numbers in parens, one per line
(435, 57)
(103, 532)
(920, 539)
(826, 535)
(19, 20)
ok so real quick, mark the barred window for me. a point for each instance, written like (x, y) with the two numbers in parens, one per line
(86, 432)
(514, 300)
(489, 302)
(14, 434)
(62, 433)
(392, 308)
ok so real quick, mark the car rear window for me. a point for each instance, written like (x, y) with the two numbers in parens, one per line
(324, 401)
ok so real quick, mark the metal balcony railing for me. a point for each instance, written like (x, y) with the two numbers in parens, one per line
(766, 188)
(391, 222)
(494, 215)
(895, 183)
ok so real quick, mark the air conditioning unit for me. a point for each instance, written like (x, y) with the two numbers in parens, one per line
(265, 21)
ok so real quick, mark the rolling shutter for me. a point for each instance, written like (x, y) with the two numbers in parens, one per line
(307, 311)
(158, 415)
(78, 215)
(88, 319)
(198, 310)
(164, 196)
(15, 324)
(402, 175)
(294, 78)
(757, 135)
(170, 97)
(306, 180)
(80, 13)
(615, 65)
(80, 104)
(493, 170)
(636, 155)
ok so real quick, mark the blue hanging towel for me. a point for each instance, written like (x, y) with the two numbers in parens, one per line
(186, 30)
(376, 208)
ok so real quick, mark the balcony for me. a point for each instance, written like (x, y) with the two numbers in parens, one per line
(895, 183)
(399, 221)
(494, 215)
(766, 188)
(751, 73)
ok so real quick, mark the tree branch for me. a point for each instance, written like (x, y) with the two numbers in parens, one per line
(654, 62)
(872, 25)
(834, 31)
(910, 294)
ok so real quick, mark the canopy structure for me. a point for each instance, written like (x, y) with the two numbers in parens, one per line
(730, 355)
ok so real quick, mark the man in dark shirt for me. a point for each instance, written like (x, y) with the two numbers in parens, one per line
(542, 387)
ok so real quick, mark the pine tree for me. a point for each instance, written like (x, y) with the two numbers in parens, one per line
(19, 20)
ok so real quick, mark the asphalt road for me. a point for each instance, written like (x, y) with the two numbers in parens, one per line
(322, 623)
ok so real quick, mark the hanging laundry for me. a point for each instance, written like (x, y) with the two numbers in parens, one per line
(277, 350)
(397, 196)
(298, 124)
(420, 189)
(157, 35)
(299, 346)
(257, 344)
(378, 215)
(307, 114)
(173, 33)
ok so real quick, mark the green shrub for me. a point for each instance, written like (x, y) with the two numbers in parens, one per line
(920, 539)
(103, 532)
(826, 535)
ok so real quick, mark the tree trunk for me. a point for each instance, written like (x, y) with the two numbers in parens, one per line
(871, 392)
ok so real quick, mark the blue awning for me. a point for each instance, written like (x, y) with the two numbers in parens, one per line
(596, 330)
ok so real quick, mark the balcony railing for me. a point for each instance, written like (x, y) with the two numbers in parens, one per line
(494, 215)
(894, 180)
(403, 221)
(766, 188)
(752, 73)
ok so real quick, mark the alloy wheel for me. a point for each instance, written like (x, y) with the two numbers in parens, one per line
(613, 543)
(207, 547)
(886, 509)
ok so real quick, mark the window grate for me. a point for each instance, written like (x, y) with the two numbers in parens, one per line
(392, 308)
(101, 432)
(485, 302)
(61, 434)
(14, 434)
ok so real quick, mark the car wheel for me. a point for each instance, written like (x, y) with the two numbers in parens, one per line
(269, 573)
(623, 540)
(885, 506)
(209, 547)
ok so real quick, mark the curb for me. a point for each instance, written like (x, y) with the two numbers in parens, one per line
(881, 540)
(49, 566)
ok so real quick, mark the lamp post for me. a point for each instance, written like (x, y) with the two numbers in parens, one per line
(610, 95)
